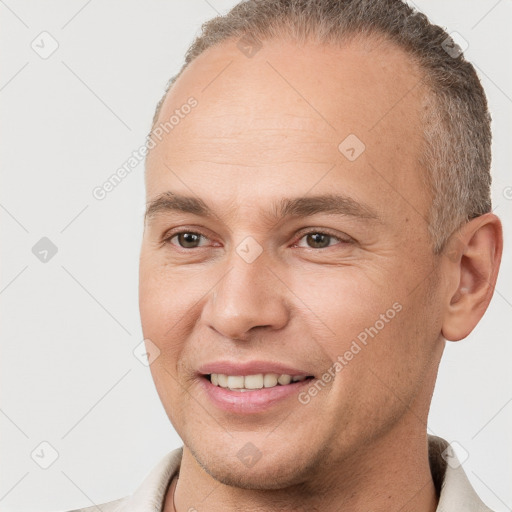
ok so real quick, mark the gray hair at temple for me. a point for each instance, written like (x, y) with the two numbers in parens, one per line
(455, 117)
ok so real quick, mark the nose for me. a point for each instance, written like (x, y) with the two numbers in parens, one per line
(249, 298)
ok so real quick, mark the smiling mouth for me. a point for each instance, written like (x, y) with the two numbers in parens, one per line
(243, 383)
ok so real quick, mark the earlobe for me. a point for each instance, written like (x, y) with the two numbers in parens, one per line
(473, 259)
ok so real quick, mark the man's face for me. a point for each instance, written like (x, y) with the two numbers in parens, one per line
(353, 285)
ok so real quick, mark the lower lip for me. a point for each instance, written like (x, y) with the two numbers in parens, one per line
(247, 402)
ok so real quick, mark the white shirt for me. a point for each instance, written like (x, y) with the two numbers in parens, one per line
(456, 493)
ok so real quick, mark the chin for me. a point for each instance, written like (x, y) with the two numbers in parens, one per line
(274, 470)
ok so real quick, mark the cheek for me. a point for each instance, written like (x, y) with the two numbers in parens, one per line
(386, 360)
(163, 312)
(369, 325)
(381, 369)
(170, 305)
(164, 297)
(343, 301)
(153, 301)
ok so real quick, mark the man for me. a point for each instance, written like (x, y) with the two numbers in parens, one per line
(318, 225)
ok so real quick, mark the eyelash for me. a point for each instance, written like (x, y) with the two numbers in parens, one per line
(167, 239)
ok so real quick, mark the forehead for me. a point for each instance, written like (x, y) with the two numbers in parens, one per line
(289, 115)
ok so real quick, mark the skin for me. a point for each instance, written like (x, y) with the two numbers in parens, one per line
(263, 130)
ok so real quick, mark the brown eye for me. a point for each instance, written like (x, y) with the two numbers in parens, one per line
(318, 240)
(187, 240)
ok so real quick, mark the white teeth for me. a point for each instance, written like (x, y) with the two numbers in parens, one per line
(270, 380)
(235, 381)
(251, 382)
(284, 379)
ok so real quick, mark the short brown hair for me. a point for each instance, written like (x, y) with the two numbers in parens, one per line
(456, 121)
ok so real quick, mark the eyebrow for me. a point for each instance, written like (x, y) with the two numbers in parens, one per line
(304, 206)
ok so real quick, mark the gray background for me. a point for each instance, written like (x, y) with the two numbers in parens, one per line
(70, 325)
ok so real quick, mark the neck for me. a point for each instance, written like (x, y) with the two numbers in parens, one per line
(391, 473)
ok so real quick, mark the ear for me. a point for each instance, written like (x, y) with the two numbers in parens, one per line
(473, 258)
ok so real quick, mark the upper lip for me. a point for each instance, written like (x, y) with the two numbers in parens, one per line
(250, 368)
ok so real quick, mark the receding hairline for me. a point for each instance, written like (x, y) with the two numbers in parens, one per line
(455, 119)
(376, 36)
